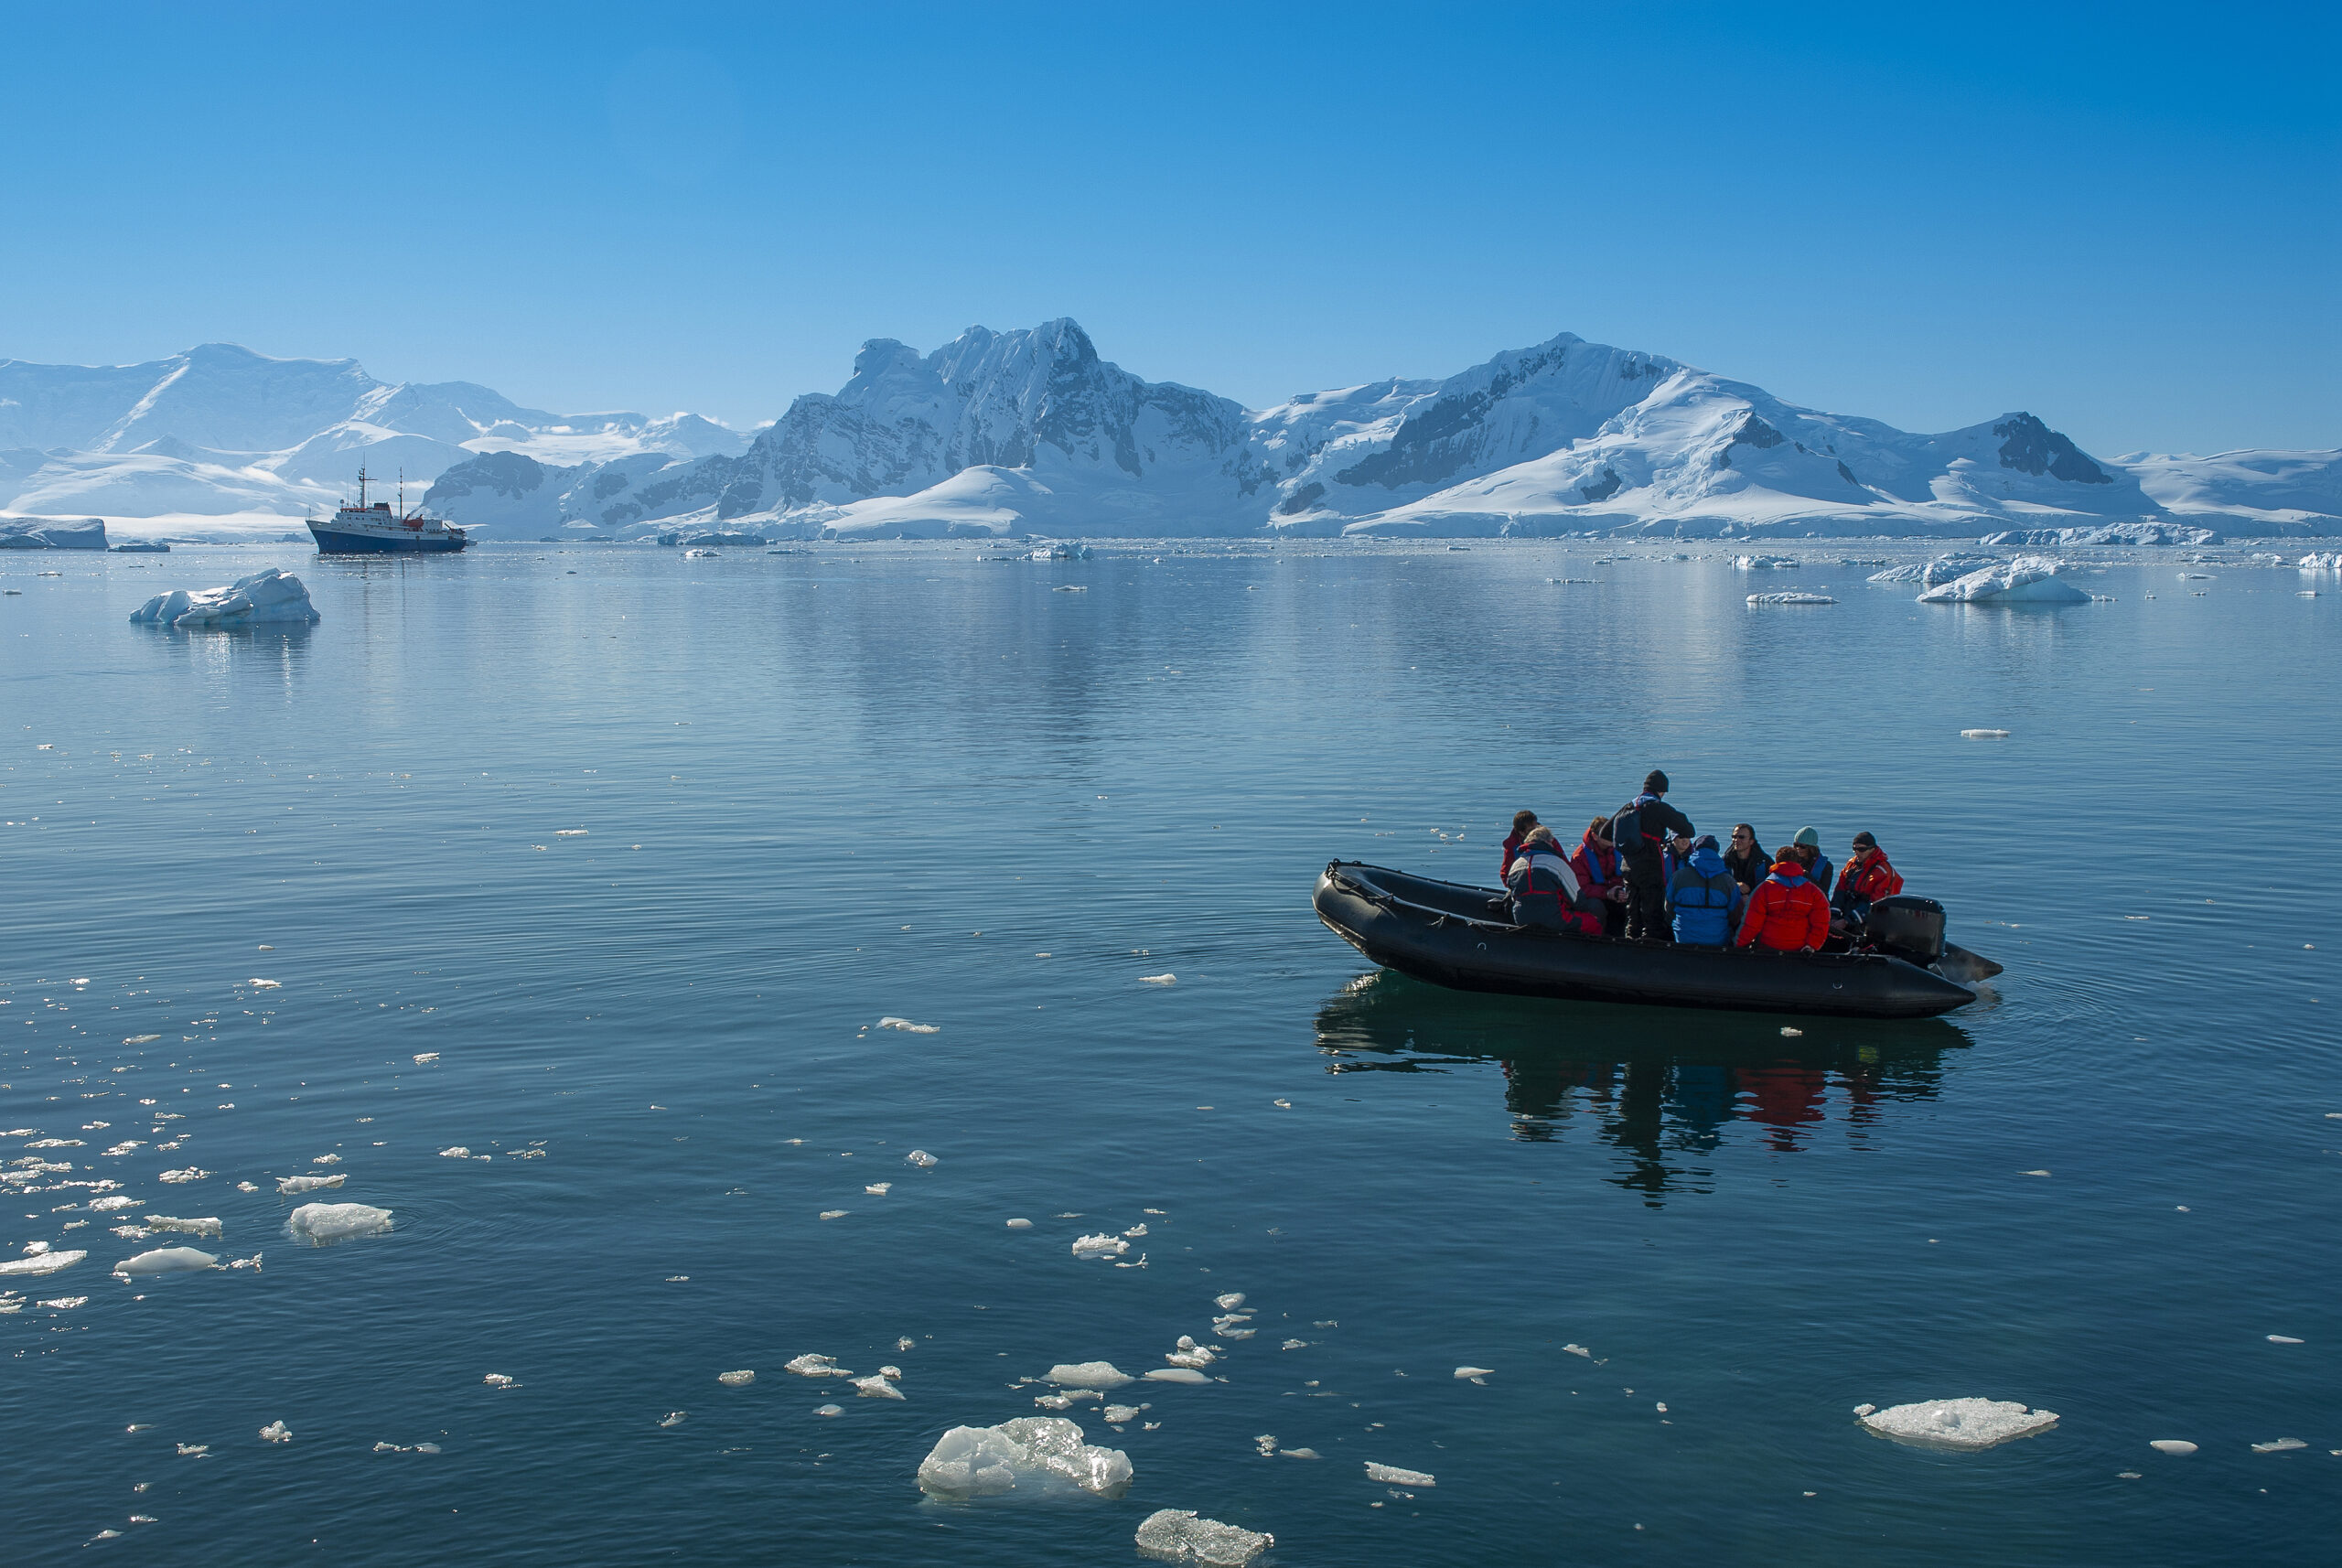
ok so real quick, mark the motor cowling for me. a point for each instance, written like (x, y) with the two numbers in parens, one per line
(1908, 928)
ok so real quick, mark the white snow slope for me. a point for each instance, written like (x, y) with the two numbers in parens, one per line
(1031, 432)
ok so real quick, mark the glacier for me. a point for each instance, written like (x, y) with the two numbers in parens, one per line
(1033, 433)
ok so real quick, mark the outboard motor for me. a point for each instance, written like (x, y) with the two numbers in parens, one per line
(1908, 928)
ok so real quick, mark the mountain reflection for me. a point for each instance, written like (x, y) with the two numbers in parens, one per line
(1663, 1087)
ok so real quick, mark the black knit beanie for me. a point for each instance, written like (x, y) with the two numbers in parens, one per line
(1656, 783)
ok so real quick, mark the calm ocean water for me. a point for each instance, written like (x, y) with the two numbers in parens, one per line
(636, 850)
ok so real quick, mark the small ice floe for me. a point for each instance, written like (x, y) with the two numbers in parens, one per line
(1190, 1354)
(191, 1227)
(45, 1262)
(908, 1027)
(181, 1176)
(1476, 1373)
(1117, 1414)
(277, 1431)
(2033, 1173)
(921, 1158)
(1391, 1475)
(319, 1223)
(265, 598)
(265, 984)
(2278, 1445)
(327, 1160)
(141, 1039)
(878, 1188)
(1031, 1453)
(672, 1418)
(1983, 735)
(1765, 563)
(110, 1205)
(1176, 1375)
(827, 1410)
(1282, 1104)
(165, 1261)
(194, 1450)
(1790, 599)
(812, 1364)
(1100, 1246)
(2283, 1339)
(1266, 1442)
(455, 1152)
(425, 1056)
(252, 1263)
(569, 832)
(834, 1213)
(1166, 978)
(290, 1185)
(54, 1144)
(1020, 1225)
(1087, 1374)
(64, 1303)
(1789, 1033)
(1065, 1401)
(877, 1386)
(500, 1380)
(1137, 1231)
(1958, 1423)
(1295, 1345)
(739, 1380)
(2174, 1445)
(1181, 1535)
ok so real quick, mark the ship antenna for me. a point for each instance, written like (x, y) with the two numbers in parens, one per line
(401, 493)
(362, 487)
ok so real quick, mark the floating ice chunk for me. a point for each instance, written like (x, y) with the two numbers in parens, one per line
(1391, 1475)
(423, 1056)
(908, 1027)
(64, 1303)
(194, 1449)
(876, 1386)
(1790, 599)
(180, 1177)
(327, 1160)
(1020, 1225)
(1057, 1402)
(265, 984)
(247, 1186)
(1761, 562)
(1864, 1409)
(1100, 1246)
(829, 1409)
(813, 1364)
(1958, 1423)
(1475, 1372)
(456, 1152)
(921, 1158)
(252, 1263)
(1136, 1230)
(1181, 1535)
(1118, 1414)
(141, 1039)
(672, 1418)
(1282, 1104)
(501, 1381)
(1298, 1453)
(1983, 735)
(833, 1213)
(1033, 1452)
(569, 832)
(292, 1184)
(165, 1261)
(2028, 579)
(2283, 1339)
(1266, 1442)
(1295, 1345)
(191, 1227)
(878, 1188)
(1190, 1358)
(1942, 569)
(42, 1262)
(277, 1431)
(1087, 1374)
(2176, 1446)
(265, 598)
(1176, 1375)
(323, 1222)
(54, 1144)
(1167, 978)
(1229, 1302)
(2280, 1446)
(739, 1380)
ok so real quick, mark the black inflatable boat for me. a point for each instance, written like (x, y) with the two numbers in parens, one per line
(1446, 933)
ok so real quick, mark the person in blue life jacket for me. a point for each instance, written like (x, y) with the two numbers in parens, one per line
(1807, 849)
(1704, 897)
(1545, 891)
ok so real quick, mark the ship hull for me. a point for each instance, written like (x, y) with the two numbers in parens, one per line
(337, 542)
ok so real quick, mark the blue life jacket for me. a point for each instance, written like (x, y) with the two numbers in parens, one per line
(1704, 897)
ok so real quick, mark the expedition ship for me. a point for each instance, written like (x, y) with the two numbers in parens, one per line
(364, 529)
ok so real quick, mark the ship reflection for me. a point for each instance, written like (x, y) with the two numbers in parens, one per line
(1663, 1087)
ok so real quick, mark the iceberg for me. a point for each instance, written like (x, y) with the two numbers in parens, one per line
(1180, 1535)
(52, 533)
(165, 1261)
(2027, 580)
(322, 1223)
(1938, 572)
(1958, 1423)
(265, 598)
(1033, 1454)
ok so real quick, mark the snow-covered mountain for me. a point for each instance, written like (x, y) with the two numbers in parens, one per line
(222, 430)
(1032, 431)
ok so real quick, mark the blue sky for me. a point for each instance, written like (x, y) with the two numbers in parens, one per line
(2124, 218)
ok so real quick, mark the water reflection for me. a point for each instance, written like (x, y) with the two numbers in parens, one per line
(1663, 1088)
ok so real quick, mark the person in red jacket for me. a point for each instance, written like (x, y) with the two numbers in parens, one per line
(1600, 877)
(1521, 822)
(1866, 877)
(1787, 913)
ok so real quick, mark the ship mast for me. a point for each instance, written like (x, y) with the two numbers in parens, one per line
(361, 489)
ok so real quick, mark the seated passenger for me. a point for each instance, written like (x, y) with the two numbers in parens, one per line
(1703, 896)
(1600, 875)
(1545, 888)
(1746, 858)
(1869, 876)
(1808, 850)
(1787, 913)
(1521, 822)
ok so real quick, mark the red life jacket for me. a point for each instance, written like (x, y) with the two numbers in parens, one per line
(1876, 879)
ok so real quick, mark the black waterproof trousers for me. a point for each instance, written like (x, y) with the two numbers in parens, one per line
(1647, 908)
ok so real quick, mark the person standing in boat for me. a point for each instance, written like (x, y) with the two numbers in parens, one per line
(1641, 828)
(1787, 913)
(1545, 888)
(1600, 877)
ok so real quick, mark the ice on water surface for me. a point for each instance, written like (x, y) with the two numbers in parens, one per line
(1958, 1423)
(2028, 579)
(1392, 1476)
(877, 1386)
(191, 1227)
(1087, 1374)
(165, 1261)
(265, 598)
(908, 1027)
(298, 1184)
(324, 1222)
(277, 1431)
(922, 1159)
(189, 1174)
(1100, 1246)
(813, 1364)
(1033, 1452)
(2174, 1446)
(1181, 1535)
(1176, 1375)
(743, 1378)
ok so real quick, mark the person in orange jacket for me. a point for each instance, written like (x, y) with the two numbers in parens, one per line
(1787, 913)
(1867, 877)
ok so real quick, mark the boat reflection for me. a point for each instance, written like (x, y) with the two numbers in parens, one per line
(1663, 1088)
